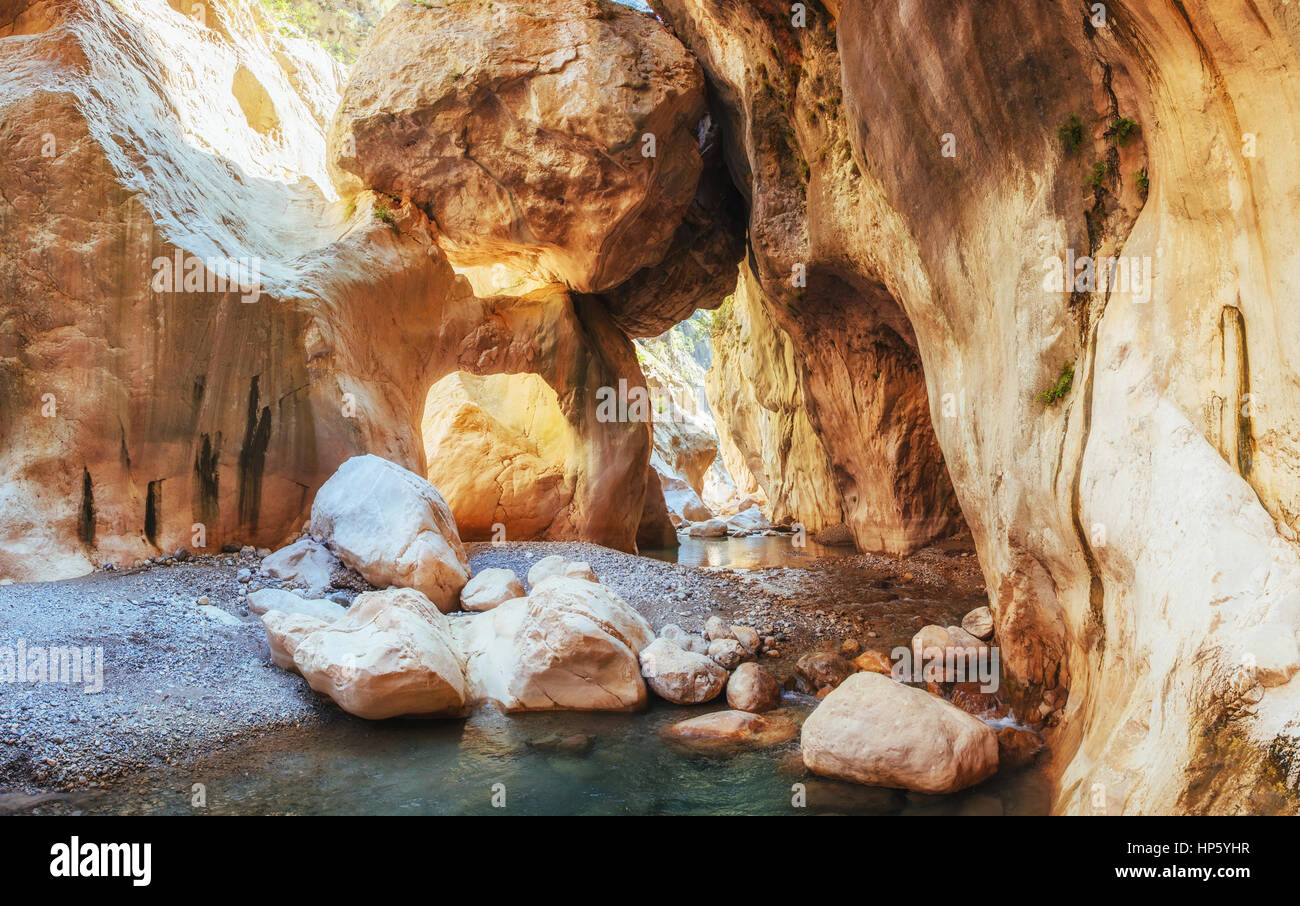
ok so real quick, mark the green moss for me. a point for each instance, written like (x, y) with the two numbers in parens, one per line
(1098, 174)
(383, 212)
(1122, 130)
(1060, 389)
(1071, 134)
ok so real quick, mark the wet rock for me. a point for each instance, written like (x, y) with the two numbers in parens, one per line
(873, 662)
(1017, 748)
(489, 588)
(970, 698)
(821, 670)
(875, 731)
(679, 676)
(393, 528)
(753, 688)
(727, 732)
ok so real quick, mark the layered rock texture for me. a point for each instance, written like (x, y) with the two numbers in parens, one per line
(1124, 452)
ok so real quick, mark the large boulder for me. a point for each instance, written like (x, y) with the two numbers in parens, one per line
(571, 644)
(873, 730)
(305, 563)
(552, 142)
(490, 588)
(680, 676)
(391, 655)
(682, 500)
(392, 527)
(285, 630)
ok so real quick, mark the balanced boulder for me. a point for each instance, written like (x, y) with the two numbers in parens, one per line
(392, 527)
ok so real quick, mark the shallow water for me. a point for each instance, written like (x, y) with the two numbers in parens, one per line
(350, 767)
(753, 552)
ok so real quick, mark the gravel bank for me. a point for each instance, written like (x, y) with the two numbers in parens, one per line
(179, 682)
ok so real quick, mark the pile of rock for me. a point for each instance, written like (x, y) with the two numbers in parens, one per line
(568, 642)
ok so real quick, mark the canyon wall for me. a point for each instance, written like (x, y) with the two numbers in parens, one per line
(197, 330)
(1124, 451)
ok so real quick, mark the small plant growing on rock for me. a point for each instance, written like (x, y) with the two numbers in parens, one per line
(1098, 174)
(383, 212)
(1071, 134)
(1142, 180)
(1122, 130)
(1060, 389)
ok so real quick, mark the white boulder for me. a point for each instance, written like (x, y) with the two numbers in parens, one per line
(878, 732)
(391, 655)
(306, 563)
(570, 645)
(392, 527)
(682, 677)
(489, 588)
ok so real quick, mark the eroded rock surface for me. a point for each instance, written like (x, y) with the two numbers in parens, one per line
(553, 142)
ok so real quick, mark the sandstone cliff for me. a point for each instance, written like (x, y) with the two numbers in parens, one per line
(1124, 454)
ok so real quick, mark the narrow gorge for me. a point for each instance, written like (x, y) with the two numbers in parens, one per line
(722, 364)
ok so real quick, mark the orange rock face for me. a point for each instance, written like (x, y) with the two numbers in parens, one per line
(553, 142)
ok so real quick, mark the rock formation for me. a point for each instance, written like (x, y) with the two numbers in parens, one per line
(1123, 450)
(550, 144)
(198, 332)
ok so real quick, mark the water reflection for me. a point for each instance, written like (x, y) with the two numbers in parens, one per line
(753, 552)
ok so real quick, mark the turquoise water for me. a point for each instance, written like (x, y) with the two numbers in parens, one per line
(616, 764)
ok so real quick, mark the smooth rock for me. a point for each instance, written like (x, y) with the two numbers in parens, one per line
(490, 588)
(284, 631)
(682, 677)
(727, 732)
(753, 688)
(306, 562)
(391, 655)
(265, 600)
(571, 644)
(555, 565)
(392, 527)
(875, 731)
